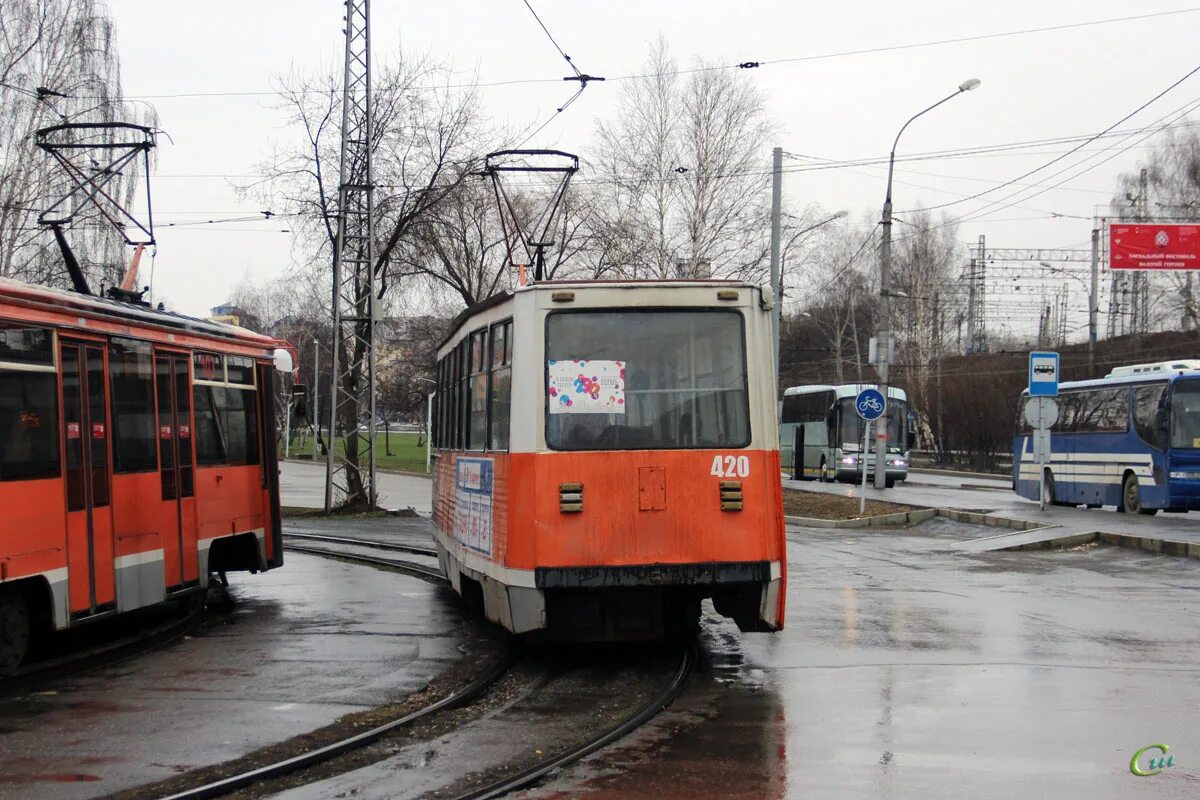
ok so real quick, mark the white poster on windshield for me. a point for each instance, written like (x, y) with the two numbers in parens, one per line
(579, 386)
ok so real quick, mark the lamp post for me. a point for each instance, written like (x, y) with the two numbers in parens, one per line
(778, 283)
(884, 335)
(429, 423)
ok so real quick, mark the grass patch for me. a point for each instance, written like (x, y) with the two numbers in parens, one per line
(818, 505)
(398, 451)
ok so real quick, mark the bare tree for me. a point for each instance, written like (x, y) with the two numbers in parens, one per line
(58, 63)
(1172, 194)
(836, 298)
(426, 143)
(683, 172)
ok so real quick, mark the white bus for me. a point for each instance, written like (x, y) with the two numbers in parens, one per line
(821, 434)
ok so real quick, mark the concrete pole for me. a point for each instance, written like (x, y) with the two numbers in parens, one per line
(1094, 298)
(884, 335)
(776, 286)
(885, 307)
(316, 397)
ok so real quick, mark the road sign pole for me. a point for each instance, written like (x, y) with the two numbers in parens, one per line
(862, 495)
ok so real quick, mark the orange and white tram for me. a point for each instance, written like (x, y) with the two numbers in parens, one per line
(136, 457)
(608, 456)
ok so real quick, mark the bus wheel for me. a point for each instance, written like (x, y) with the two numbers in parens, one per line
(14, 630)
(1131, 497)
(826, 475)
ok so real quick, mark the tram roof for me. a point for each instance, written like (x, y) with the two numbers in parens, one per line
(136, 313)
(646, 283)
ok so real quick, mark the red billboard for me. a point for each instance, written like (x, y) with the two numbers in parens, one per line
(1149, 246)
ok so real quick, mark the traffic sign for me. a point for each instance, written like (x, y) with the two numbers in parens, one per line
(870, 404)
(1041, 413)
(1043, 374)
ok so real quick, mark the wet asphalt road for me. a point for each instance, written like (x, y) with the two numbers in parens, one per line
(909, 671)
(306, 645)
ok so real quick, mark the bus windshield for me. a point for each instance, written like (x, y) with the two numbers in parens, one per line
(1185, 414)
(852, 425)
(622, 380)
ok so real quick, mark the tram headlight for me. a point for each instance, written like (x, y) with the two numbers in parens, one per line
(849, 460)
(1185, 476)
(897, 462)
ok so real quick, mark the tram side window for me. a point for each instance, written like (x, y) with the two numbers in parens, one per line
(464, 395)
(28, 425)
(500, 394)
(225, 410)
(210, 435)
(130, 369)
(1146, 400)
(478, 397)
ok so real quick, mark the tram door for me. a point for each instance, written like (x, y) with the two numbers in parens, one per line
(89, 510)
(175, 466)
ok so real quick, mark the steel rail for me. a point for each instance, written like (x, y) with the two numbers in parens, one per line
(431, 574)
(349, 744)
(647, 712)
(402, 548)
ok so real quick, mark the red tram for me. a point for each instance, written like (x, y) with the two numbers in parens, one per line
(136, 457)
(609, 457)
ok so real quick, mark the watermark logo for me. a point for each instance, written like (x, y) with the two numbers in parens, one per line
(1159, 760)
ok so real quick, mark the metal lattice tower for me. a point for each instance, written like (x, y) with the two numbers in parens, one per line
(350, 470)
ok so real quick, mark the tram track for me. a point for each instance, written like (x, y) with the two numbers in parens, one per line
(261, 777)
(422, 571)
(372, 543)
(643, 714)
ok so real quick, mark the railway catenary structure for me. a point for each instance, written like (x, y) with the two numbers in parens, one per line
(136, 457)
(608, 456)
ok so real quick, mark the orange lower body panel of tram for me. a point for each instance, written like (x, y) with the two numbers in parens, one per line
(614, 544)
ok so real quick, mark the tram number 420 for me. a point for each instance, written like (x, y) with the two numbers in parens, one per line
(730, 466)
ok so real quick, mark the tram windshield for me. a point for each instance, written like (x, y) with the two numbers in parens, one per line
(621, 380)
(1185, 414)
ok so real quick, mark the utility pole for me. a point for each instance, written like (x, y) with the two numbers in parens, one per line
(1093, 298)
(354, 307)
(316, 397)
(776, 288)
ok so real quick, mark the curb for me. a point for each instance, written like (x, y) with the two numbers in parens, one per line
(884, 520)
(1143, 543)
(979, 518)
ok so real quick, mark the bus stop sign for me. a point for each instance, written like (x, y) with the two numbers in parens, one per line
(870, 404)
(1043, 374)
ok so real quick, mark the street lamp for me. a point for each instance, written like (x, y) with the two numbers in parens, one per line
(777, 285)
(883, 338)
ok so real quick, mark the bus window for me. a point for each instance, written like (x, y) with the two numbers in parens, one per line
(1185, 414)
(28, 425)
(1146, 400)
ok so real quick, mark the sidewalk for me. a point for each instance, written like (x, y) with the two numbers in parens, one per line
(1171, 532)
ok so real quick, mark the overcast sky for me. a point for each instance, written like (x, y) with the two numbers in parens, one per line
(1057, 83)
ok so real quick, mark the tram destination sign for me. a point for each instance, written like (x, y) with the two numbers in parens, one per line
(1154, 247)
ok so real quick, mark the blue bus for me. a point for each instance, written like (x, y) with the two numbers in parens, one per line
(1130, 440)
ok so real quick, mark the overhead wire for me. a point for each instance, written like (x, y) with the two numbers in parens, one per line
(767, 62)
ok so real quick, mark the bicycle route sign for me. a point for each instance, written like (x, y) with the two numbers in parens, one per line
(870, 404)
